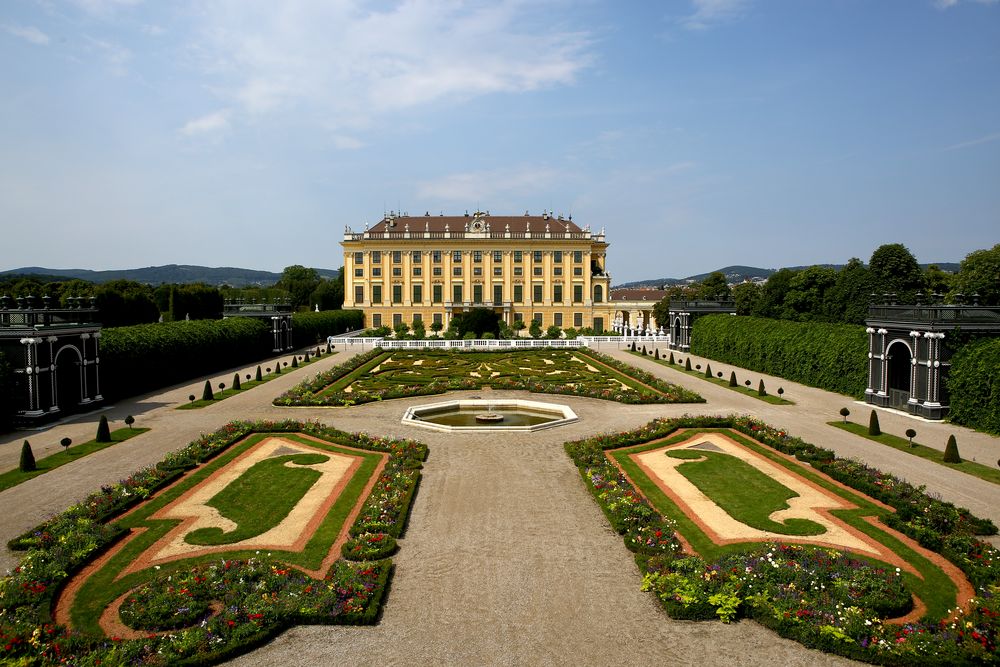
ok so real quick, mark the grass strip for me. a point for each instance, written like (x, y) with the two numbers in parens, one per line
(14, 477)
(979, 470)
(246, 385)
(746, 391)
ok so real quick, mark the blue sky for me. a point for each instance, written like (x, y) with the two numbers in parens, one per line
(699, 133)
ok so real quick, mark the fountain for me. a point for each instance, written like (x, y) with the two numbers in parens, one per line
(502, 415)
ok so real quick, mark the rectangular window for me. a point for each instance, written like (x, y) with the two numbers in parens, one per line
(436, 294)
(376, 294)
(518, 293)
(536, 270)
(376, 256)
(438, 319)
(557, 270)
(456, 293)
(436, 271)
(456, 270)
(498, 270)
(557, 319)
(497, 256)
(557, 256)
(577, 270)
(397, 319)
(517, 256)
(359, 273)
(415, 257)
(418, 294)
(518, 270)
(557, 293)
(397, 257)
(477, 293)
(477, 270)
(577, 320)
(456, 256)
(397, 271)
(397, 294)
(536, 256)
(359, 258)
(359, 294)
(376, 320)
(577, 256)
(376, 272)
(536, 293)
(598, 325)
(537, 317)
(497, 295)
(417, 318)
(577, 293)
(436, 256)
(477, 256)
(418, 271)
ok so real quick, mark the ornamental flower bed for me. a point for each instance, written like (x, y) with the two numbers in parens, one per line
(212, 610)
(330, 388)
(821, 597)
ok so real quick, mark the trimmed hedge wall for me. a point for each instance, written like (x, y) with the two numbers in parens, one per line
(818, 354)
(150, 356)
(310, 328)
(974, 385)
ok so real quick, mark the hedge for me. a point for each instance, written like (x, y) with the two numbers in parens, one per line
(974, 385)
(828, 356)
(145, 357)
(310, 328)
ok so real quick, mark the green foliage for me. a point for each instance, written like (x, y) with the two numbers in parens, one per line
(206, 393)
(708, 370)
(401, 329)
(300, 282)
(329, 294)
(760, 389)
(894, 270)
(27, 463)
(818, 354)
(687, 364)
(236, 382)
(310, 328)
(124, 303)
(732, 379)
(535, 330)
(553, 332)
(844, 412)
(951, 451)
(873, 426)
(195, 301)
(103, 431)
(979, 273)
(974, 385)
(714, 286)
(259, 376)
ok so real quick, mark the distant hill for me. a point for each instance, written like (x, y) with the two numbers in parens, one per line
(739, 274)
(156, 275)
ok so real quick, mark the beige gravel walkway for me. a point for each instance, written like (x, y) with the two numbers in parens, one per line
(507, 559)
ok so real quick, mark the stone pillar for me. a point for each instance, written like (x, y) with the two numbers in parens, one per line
(97, 367)
(914, 363)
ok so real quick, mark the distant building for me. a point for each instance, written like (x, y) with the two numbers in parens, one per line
(430, 268)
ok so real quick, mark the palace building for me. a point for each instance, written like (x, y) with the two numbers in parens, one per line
(428, 268)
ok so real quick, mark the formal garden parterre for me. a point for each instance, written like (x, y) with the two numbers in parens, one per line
(386, 374)
(215, 550)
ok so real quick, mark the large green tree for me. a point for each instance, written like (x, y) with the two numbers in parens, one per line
(772, 297)
(849, 298)
(894, 270)
(979, 273)
(329, 294)
(807, 292)
(715, 286)
(300, 282)
(745, 296)
(125, 302)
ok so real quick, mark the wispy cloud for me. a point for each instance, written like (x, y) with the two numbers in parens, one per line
(103, 8)
(710, 12)
(975, 142)
(28, 33)
(947, 4)
(116, 56)
(208, 124)
(348, 63)
(485, 185)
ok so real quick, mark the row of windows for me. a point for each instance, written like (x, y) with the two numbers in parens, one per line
(457, 293)
(436, 271)
(438, 318)
(416, 256)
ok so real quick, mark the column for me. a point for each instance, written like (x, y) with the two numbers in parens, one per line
(914, 363)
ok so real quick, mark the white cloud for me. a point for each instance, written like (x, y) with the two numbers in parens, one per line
(116, 56)
(347, 63)
(210, 123)
(947, 4)
(485, 185)
(103, 7)
(347, 143)
(975, 142)
(708, 12)
(29, 33)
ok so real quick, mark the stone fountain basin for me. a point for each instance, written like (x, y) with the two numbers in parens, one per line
(551, 415)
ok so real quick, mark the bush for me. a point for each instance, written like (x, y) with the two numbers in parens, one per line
(844, 412)
(27, 458)
(951, 451)
(708, 371)
(687, 364)
(760, 389)
(656, 354)
(873, 427)
(829, 356)
(129, 420)
(295, 361)
(206, 393)
(309, 328)
(236, 382)
(103, 431)
(732, 379)
(974, 386)
(671, 359)
(259, 376)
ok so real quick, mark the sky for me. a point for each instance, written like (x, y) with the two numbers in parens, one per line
(697, 133)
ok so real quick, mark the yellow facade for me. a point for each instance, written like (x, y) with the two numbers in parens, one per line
(431, 267)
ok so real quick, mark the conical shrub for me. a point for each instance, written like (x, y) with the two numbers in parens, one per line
(27, 458)
(760, 389)
(687, 364)
(708, 370)
(259, 375)
(307, 357)
(236, 382)
(206, 393)
(103, 431)
(277, 367)
(873, 427)
(295, 361)
(656, 354)
(951, 451)
(732, 379)
(671, 359)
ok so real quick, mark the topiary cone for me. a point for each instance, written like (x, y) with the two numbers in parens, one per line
(27, 458)
(671, 359)
(236, 382)
(103, 431)
(951, 451)
(760, 389)
(206, 393)
(687, 364)
(708, 370)
(873, 427)
(259, 376)
(732, 379)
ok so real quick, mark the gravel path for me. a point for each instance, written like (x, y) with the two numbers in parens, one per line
(507, 560)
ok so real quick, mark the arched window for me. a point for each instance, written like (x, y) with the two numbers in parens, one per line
(598, 293)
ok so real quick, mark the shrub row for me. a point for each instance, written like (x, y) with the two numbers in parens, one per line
(311, 328)
(974, 385)
(829, 356)
(351, 593)
(753, 583)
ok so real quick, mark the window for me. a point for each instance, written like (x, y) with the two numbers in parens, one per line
(537, 317)
(359, 258)
(397, 294)
(438, 319)
(536, 256)
(416, 257)
(497, 256)
(397, 319)
(477, 256)
(417, 318)
(436, 271)
(577, 293)
(557, 293)
(359, 273)
(497, 270)
(477, 270)
(598, 294)
(456, 293)
(518, 293)
(436, 256)
(557, 270)
(518, 271)
(557, 319)
(418, 294)
(456, 270)
(376, 272)
(456, 256)
(536, 293)
(417, 271)
(577, 320)
(598, 325)
(477, 293)
(397, 271)
(436, 294)
(577, 256)
(376, 256)
(557, 256)
(397, 256)
(536, 270)
(497, 294)
(359, 294)
(376, 294)
(577, 270)
(517, 256)
(377, 320)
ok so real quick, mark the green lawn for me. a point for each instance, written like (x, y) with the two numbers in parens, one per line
(979, 470)
(74, 452)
